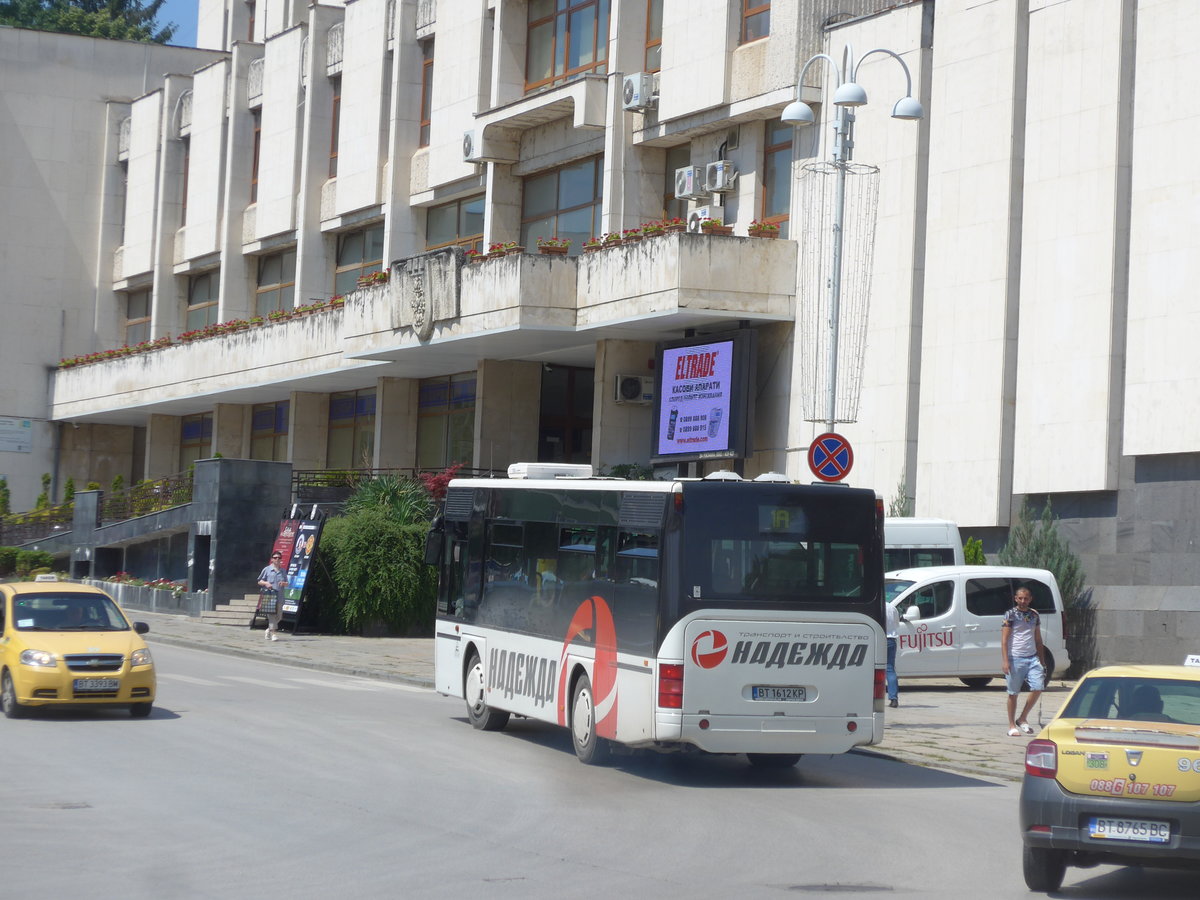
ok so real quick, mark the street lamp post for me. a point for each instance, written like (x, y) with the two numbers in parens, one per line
(848, 95)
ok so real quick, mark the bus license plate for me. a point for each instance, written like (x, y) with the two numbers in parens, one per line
(1130, 830)
(84, 685)
(770, 692)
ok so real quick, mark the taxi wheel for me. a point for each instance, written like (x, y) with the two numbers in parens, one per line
(8, 698)
(479, 713)
(1044, 869)
(591, 749)
(773, 760)
(140, 710)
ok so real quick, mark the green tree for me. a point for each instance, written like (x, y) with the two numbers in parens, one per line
(43, 499)
(126, 20)
(973, 554)
(1035, 542)
(69, 491)
(902, 504)
(5, 497)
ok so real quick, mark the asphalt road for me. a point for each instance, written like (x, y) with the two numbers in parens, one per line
(259, 780)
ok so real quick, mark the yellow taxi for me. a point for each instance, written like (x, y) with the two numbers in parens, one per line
(1115, 777)
(64, 644)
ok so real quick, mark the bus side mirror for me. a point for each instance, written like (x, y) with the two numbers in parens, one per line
(433, 548)
(912, 614)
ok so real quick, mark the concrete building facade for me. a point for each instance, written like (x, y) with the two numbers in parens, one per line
(1030, 302)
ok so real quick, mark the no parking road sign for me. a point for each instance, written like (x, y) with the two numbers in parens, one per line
(830, 456)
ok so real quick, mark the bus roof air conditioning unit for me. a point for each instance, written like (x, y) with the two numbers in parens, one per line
(549, 470)
(696, 216)
(689, 183)
(638, 94)
(633, 389)
(721, 176)
(472, 146)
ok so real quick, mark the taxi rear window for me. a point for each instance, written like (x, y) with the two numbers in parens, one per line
(1136, 699)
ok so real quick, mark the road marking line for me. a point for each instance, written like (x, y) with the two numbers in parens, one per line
(261, 682)
(187, 678)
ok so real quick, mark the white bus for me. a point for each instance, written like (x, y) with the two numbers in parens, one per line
(722, 615)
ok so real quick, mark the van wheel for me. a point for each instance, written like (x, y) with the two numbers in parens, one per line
(976, 683)
(479, 713)
(1044, 869)
(773, 760)
(591, 749)
(1049, 666)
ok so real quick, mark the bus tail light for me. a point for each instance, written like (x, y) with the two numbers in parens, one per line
(880, 683)
(670, 686)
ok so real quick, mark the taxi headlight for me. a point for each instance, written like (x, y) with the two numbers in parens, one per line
(38, 658)
(141, 658)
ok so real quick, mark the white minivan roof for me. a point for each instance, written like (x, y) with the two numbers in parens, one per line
(924, 573)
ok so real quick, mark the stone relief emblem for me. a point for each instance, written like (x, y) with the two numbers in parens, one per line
(428, 291)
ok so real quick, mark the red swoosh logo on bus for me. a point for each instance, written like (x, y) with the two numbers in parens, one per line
(594, 615)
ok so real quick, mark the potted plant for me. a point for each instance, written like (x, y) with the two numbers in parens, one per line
(674, 224)
(337, 301)
(278, 315)
(512, 247)
(631, 235)
(553, 246)
(612, 239)
(651, 229)
(495, 251)
(715, 226)
(591, 245)
(763, 229)
(373, 278)
(475, 256)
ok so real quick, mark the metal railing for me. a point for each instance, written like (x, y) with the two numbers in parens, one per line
(336, 485)
(146, 497)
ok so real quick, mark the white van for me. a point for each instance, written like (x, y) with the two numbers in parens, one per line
(950, 619)
(908, 543)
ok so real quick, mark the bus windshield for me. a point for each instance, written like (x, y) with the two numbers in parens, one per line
(773, 544)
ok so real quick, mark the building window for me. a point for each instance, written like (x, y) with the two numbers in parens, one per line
(256, 114)
(269, 431)
(565, 421)
(276, 282)
(187, 164)
(358, 253)
(677, 158)
(777, 175)
(195, 439)
(335, 125)
(426, 92)
(446, 421)
(351, 429)
(202, 300)
(137, 317)
(458, 223)
(567, 38)
(756, 20)
(250, 10)
(563, 203)
(654, 11)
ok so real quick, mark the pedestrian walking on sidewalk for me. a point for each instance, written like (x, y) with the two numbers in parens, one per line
(1021, 644)
(893, 628)
(270, 581)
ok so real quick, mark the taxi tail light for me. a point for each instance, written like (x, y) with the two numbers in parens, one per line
(670, 686)
(1041, 759)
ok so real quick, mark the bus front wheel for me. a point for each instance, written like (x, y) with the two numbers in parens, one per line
(773, 760)
(590, 748)
(480, 714)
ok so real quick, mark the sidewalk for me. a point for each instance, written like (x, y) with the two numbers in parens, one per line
(940, 723)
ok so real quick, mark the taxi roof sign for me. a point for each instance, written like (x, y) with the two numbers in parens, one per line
(1193, 659)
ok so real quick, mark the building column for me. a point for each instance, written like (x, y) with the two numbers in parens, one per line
(395, 423)
(507, 403)
(308, 430)
(231, 430)
(162, 446)
(620, 431)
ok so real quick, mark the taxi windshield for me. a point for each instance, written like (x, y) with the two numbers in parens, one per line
(1137, 699)
(67, 612)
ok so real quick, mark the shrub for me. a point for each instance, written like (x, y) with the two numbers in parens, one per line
(402, 499)
(973, 554)
(8, 560)
(378, 572)
(28, 560)
(1036, 543)
(5, 497)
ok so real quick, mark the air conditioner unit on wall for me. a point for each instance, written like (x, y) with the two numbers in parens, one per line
(638, 94)
(720, 176)
(633, 389)
(696, 216)
(472, 146)
(689, 183)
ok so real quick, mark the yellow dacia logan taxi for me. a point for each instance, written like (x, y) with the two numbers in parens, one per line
(1115, 777)
(64, 644)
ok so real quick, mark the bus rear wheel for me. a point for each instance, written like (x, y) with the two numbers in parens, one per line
(591, 749)
(773, 760)
(481, 716)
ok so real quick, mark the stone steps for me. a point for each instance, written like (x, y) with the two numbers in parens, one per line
(237, 612)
